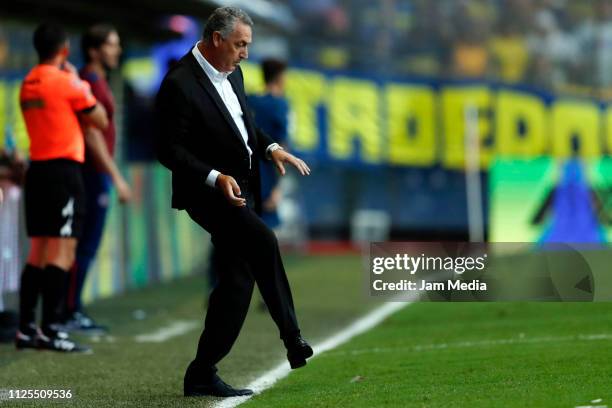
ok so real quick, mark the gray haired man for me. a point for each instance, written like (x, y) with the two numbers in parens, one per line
(207, 138)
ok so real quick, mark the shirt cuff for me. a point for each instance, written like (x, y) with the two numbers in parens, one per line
(271, 148)
(211, 179)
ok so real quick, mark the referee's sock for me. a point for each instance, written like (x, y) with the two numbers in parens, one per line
(29, 290)
(53, 282)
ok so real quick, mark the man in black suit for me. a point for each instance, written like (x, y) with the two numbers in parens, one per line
(206, 137)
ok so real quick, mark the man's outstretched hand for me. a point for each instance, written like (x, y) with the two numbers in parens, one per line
(230, 189)
(279, 157)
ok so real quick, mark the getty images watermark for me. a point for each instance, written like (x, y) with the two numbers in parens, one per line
(413, 264)
(459, 271)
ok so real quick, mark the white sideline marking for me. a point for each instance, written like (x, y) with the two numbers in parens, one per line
(521, 339)
(361, 325)
(162, 334)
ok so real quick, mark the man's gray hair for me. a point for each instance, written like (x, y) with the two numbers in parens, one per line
(224, 20)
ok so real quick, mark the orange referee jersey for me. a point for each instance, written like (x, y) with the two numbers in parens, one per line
(50, 99)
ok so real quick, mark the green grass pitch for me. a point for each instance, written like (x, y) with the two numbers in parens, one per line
(426, 355)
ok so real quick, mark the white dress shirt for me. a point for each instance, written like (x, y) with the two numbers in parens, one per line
(229, 98)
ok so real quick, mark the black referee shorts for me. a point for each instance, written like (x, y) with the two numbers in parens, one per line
(54, 198)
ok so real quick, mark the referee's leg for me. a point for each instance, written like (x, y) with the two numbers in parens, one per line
(44, 274)
(60, 256)
(30, 285)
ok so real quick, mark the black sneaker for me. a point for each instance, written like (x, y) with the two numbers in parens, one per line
(59, 341)
(80, 322)
(26, 339)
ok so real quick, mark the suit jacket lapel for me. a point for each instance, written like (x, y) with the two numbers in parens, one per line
(245, 113)
(205, 82)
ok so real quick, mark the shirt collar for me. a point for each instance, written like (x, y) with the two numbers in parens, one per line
(210, 71)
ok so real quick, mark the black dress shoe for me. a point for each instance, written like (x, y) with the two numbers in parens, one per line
(297, 351)
(216, 388)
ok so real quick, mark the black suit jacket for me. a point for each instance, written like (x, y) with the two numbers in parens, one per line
(195, 133)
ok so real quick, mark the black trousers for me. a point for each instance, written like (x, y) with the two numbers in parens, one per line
(247, 253)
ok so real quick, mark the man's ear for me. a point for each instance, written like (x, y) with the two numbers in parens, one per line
(217, 38)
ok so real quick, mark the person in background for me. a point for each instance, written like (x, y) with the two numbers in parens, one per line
(470, 55)
(12, 171)
(509, 53)
(56, 106)
(271, 112)
(101, 49)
